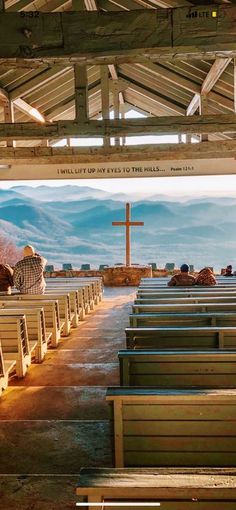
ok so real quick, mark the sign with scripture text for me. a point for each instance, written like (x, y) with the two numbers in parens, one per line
(119, 170)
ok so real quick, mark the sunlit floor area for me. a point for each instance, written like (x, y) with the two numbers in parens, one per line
(56, 419)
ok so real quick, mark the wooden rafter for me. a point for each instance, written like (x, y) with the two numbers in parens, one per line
(120, 127)
(212, 77)
(123, 36)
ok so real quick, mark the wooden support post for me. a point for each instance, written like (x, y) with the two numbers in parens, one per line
(188, 139)
(105, 98)
(203, 110)
(81, 93)
(122, 113)
(2, 5)
(179, 138)
(235, 85)
(116, 104)
(9, 117)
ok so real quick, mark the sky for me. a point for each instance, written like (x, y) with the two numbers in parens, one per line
(220, 185)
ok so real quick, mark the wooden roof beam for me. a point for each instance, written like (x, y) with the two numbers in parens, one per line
(115, 37)
(129, 127)
(152, 152)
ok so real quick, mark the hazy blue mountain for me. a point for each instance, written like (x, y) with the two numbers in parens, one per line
(74, 224)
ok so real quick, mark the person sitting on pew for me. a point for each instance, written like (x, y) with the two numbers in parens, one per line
(206, 277)
(182, 279)
(6, 278)
(28, 273)
(229, 271)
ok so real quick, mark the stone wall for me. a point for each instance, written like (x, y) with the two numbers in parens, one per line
(118, 276)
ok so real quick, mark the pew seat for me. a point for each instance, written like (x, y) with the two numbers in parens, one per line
(178, 369)
(174, 489)
(15, 343)
(173, 427)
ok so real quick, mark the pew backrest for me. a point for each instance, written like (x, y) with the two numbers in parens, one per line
(224, 319)
(178, 369)
(173, 427)
(187, 337)
(184, 308)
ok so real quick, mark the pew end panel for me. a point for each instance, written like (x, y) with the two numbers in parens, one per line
(15, 342)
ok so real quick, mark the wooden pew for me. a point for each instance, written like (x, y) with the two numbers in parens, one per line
(15, 343)
(76, 311)
(97, 281)
(178, 369)
(173, 488)
(174, 294)
(181, 337)
(63, 302)
(51, 313)
(83, 294)
(173, 427)
(6, 367)
(35, 327)
(185, 300)
(184, 308)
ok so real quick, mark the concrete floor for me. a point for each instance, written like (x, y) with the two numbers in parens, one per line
(56, 420)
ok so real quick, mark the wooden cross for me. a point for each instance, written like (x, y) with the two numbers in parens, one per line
(128, 223)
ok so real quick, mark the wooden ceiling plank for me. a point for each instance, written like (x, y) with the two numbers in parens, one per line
(171, 3)
(170, 76)
(20, 5)
(120, 127)
(157, 98)
(73, 37)
(91, 5)
(41, 79)
(54, 5)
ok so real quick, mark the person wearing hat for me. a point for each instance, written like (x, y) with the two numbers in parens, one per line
(182, 279)
(28, 273)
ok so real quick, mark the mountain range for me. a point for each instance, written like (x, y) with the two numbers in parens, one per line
(73, 224)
